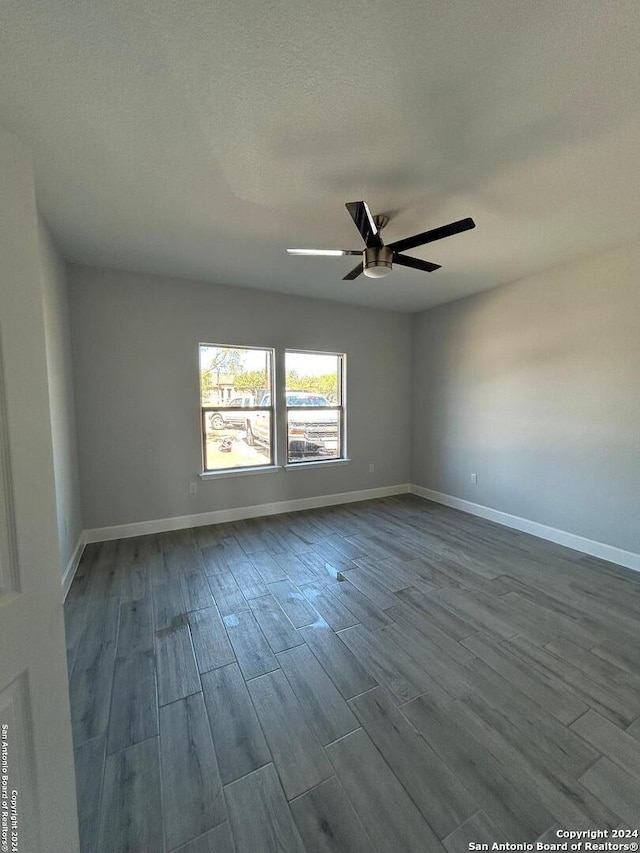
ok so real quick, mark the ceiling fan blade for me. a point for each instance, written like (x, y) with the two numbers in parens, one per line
(331, 253)
(365, 224)
(435, 234)
(355, 272)
(414, 263)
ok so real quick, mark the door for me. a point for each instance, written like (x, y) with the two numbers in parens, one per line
(37, 784)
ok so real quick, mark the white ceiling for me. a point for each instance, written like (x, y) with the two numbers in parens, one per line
(200, 138)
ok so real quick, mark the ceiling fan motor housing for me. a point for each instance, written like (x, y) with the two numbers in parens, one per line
(377, 262)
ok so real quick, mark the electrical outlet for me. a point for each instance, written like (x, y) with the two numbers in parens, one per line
(474, 479)
(193, 488)
(372, 467)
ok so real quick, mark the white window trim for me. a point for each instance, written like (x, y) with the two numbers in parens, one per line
(239, 472)
(316, 463)
(272, 469)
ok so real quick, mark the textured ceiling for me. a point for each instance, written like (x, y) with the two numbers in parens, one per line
(201, 139)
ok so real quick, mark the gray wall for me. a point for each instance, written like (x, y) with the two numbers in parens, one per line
(536, 388)
(61, 399)
(135, 354)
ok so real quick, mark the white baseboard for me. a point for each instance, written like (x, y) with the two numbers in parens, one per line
(162, 525)
(629, 559)
(72, 566)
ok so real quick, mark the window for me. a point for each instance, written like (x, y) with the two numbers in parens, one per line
(236, 408)
(314, 401)
(242, 411)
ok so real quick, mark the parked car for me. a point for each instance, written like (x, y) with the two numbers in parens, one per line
(310, 433)
(221, 419)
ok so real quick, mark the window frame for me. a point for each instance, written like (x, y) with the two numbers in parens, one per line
(271, 410)
(340, 408)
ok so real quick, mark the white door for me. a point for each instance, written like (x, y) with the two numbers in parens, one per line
(37, 785)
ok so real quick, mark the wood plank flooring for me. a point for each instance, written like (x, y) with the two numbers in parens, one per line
(463, 683)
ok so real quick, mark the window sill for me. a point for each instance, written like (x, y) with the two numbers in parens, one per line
(319, 463)
(271, 469)
(239, 472)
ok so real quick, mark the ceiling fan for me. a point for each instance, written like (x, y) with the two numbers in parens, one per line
(377, 259)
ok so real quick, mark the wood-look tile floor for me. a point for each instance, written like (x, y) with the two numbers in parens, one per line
(465, 682)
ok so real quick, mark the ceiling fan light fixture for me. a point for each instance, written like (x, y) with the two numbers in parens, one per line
(377, 270)
(377, 262)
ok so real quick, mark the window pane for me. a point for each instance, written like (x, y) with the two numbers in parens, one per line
(237, 439)
(311, 375)
(225, 419)
(234, 376)
(313, 435)
(233, 382)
